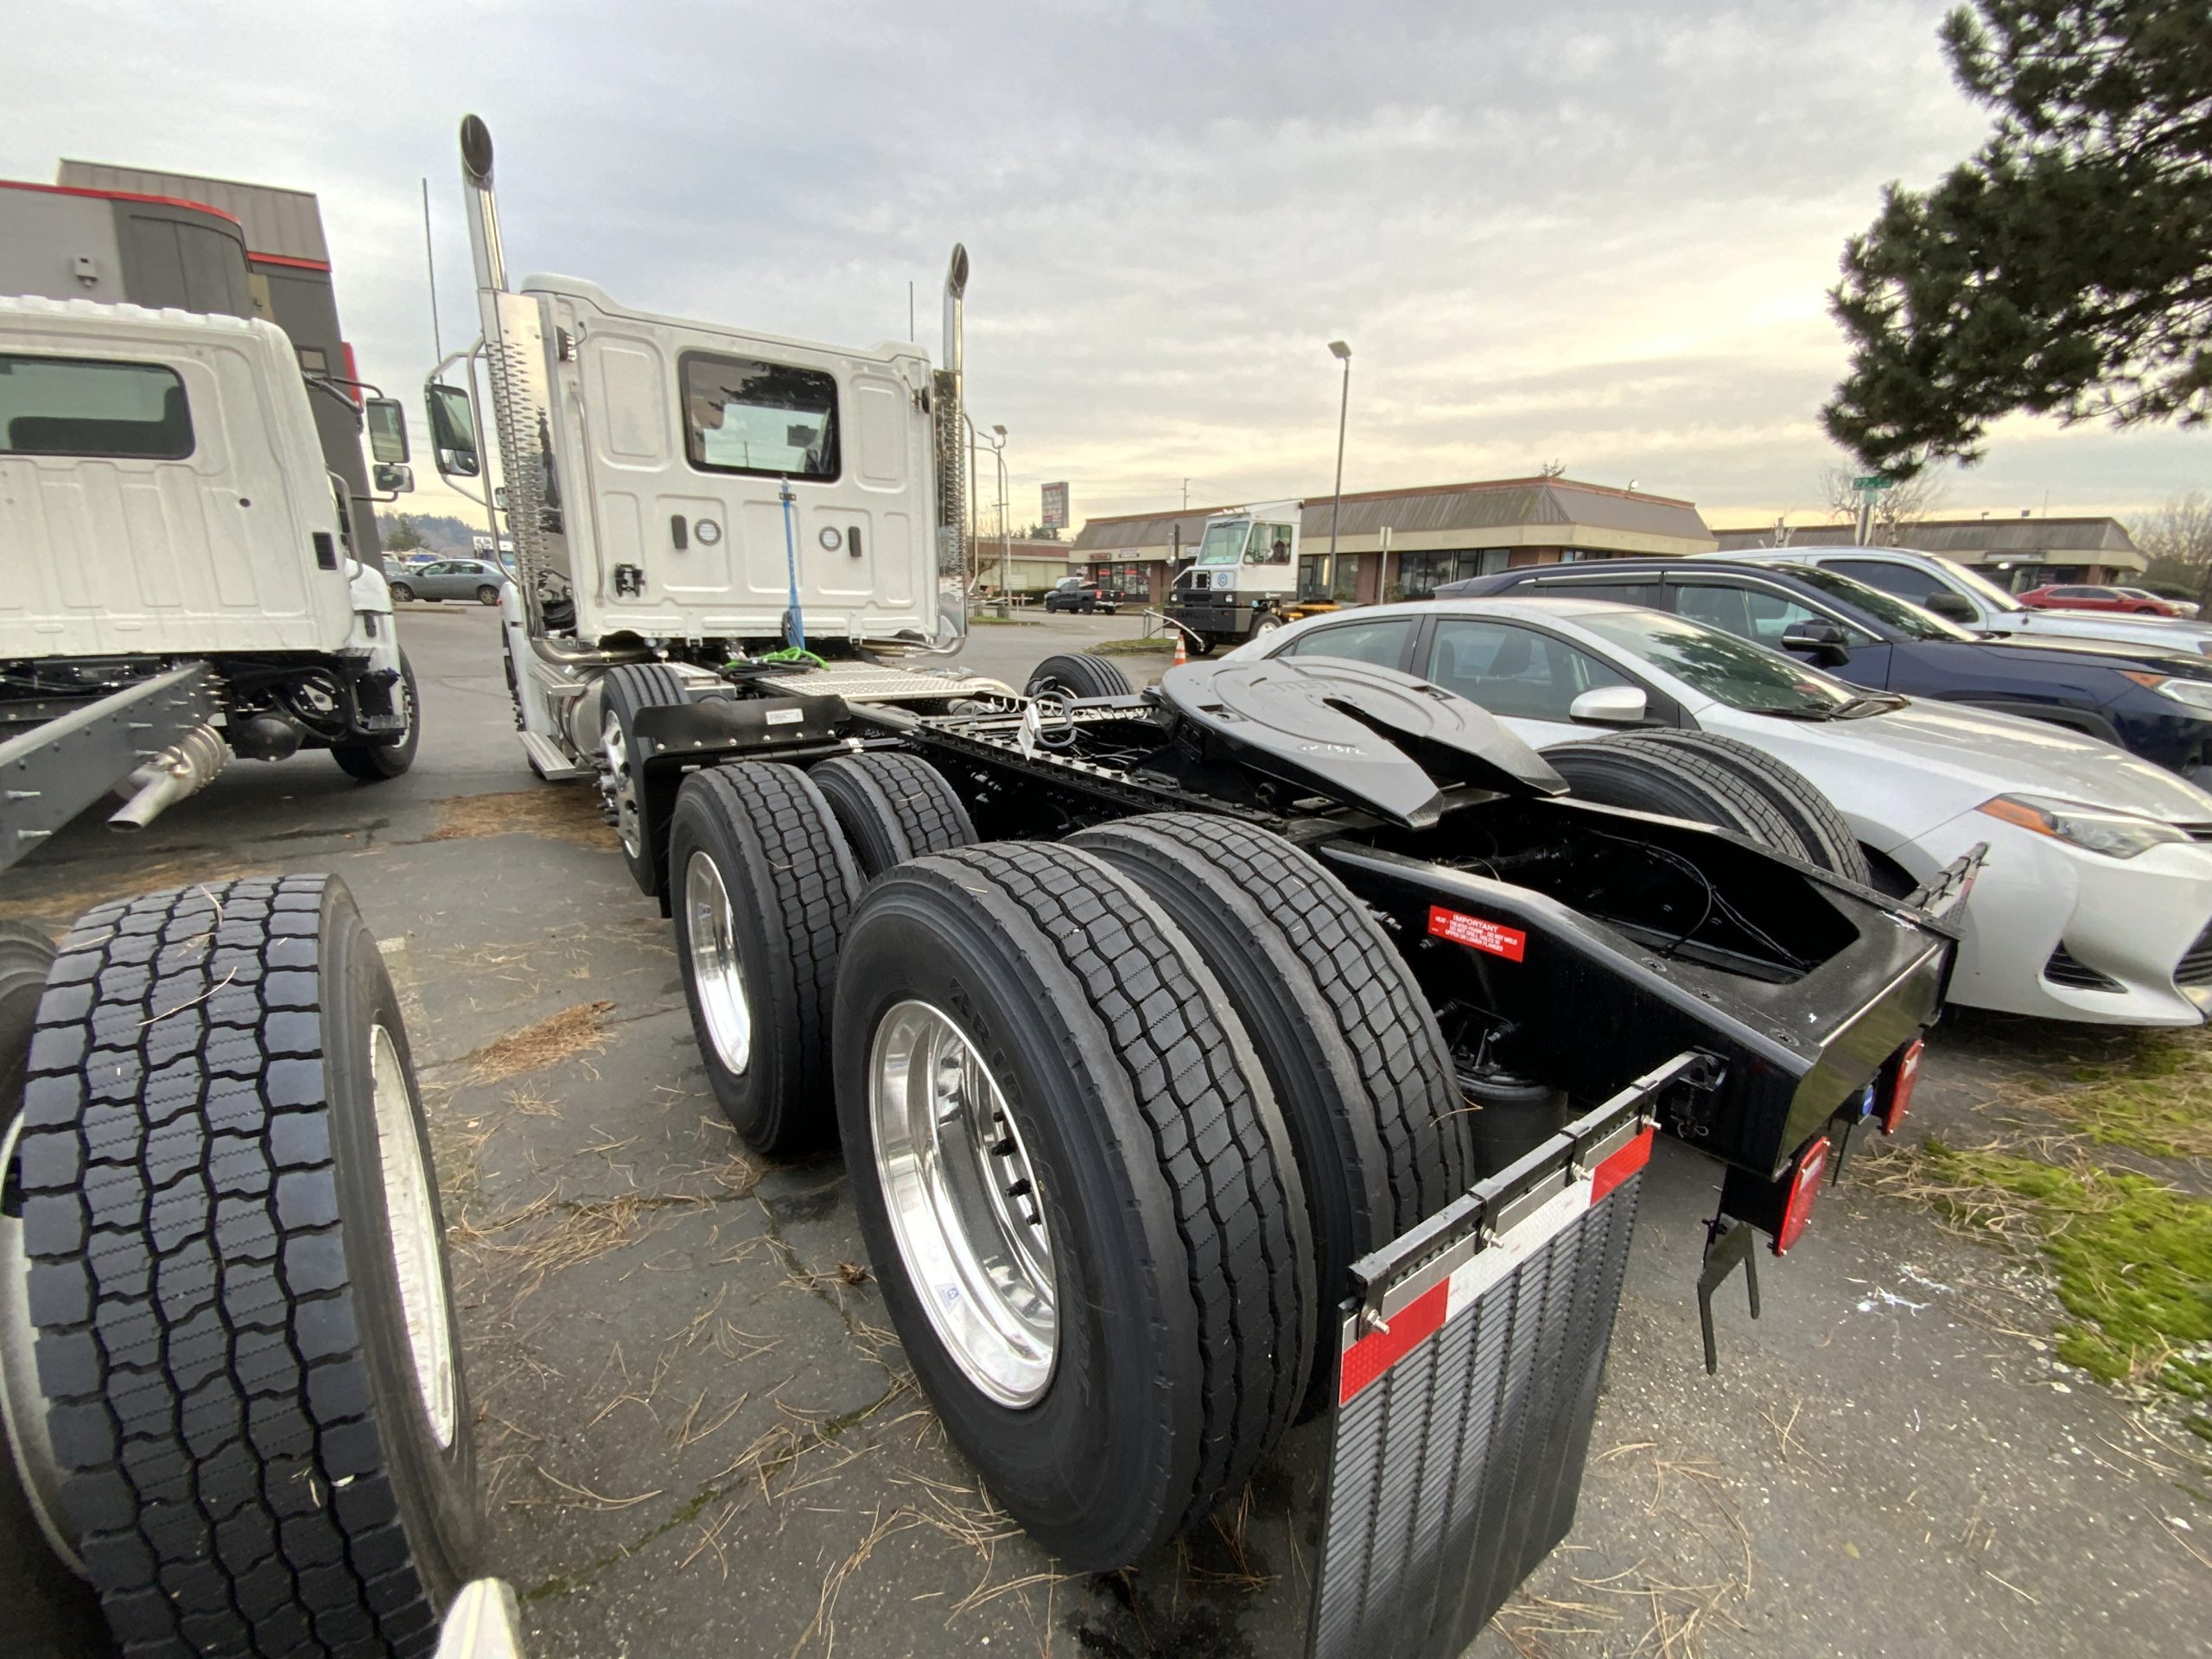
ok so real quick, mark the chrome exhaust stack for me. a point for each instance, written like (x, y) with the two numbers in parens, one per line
(185, 768)
(947, 396)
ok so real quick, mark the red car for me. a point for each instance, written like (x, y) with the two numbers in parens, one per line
(2063, 598)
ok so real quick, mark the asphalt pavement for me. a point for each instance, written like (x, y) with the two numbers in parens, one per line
(697, 1435)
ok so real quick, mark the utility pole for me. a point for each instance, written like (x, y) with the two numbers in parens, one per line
(1186, 495)
(1344, 406)
(431, 265)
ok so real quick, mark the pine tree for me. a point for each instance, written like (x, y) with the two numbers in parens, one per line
(2066, 268)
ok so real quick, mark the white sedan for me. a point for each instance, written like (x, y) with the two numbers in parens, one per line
(2095, 903)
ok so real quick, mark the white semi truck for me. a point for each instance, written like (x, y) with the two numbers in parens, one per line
(1278, 1044)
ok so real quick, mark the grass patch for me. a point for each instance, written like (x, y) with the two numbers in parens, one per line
(1131, 647)
(2133, 1255)
(2158, 1100)
(981, 620)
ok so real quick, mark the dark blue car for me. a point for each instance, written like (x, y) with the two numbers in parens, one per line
(2154, 703)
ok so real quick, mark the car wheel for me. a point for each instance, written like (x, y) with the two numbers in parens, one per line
(401, 593)
(248, 1361)
(1343, 1032)
(372, 763)
(1812, 816)
(1076, 1191)
(631, 689)
(762, 883)
(1078, 675)
(488, 594)
(891, 808)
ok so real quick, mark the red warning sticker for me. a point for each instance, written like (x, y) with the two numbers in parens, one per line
(1463, 928)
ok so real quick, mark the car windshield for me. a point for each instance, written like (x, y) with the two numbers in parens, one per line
(1905, 617)
(1726, 668)
(1224, 543)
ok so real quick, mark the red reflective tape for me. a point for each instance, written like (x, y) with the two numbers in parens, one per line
(1376, 1352)
(1619, 1164)
(1901, 1090)
(287, 259)
(1478, 932)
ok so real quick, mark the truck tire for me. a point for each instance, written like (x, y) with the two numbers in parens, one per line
(891, 808)
(246, 1349)
(1342, 1030)
(1148, 1335)
(1811, 814)
(628, 689)
(374, 763)
(1084, 675)
(1265, 625)
(1619, 771)
(761, 882)
(49, 1609)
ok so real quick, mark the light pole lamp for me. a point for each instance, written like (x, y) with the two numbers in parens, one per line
(1343, 353)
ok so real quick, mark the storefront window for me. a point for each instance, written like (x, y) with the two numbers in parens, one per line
(1420, 574)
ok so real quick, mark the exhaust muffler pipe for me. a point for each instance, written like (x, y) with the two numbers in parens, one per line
(185, 768)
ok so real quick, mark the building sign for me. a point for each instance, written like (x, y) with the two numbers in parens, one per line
(1056, 507)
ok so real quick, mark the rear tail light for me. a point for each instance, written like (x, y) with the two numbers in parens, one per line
(1804, 1188)
(1901, 1086)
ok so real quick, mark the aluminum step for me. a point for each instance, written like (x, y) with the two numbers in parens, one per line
(552, 761)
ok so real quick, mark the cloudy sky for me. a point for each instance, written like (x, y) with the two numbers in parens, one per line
(1599, 235)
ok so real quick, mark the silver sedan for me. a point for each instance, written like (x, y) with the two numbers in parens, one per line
(477, 579)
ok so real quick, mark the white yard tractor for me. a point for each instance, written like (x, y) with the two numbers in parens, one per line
(1244, 581)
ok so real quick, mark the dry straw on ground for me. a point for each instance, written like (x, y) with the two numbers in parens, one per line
(574, 1031)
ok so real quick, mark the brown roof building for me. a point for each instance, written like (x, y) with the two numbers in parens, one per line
(1402, 543)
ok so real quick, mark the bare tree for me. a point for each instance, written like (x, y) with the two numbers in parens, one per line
(2177, 541)
(1919, 497)
(1552, 469)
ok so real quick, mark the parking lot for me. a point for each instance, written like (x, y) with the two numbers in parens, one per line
(696, 1436)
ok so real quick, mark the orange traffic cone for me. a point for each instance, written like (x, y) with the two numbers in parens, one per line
(1182, 656)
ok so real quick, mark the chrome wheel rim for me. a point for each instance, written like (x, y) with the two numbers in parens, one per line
(964, 1205)
(411, 1218)
(615, 783)
(717, 974)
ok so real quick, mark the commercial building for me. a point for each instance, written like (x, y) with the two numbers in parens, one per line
(125, 235)
(1402, 543)
(2017, 554)
(1021, 566)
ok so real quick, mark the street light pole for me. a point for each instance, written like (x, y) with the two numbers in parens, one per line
(1343, 407)
(998, 448)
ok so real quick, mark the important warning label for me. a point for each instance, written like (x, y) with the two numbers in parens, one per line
(1463, 928)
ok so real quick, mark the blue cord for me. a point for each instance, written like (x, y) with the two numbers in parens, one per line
(794, 624)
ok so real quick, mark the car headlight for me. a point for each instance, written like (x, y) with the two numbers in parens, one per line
(2196, 694)
(2116, 834)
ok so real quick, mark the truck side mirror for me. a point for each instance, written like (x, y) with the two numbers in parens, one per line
(1609, 705)
(453, 432)
(393, 478)
(1952, 607)
(387, 430)
(1823, 638)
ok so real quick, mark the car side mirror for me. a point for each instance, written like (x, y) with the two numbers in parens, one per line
(1952, 607)
(392, 477)
(1609, 705)
(387, 424)
(1824, 639)
(453, 432)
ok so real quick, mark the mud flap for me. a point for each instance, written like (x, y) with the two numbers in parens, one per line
(1468, 1361)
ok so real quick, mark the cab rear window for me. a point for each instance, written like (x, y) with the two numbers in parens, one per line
(92, 407)
(766, 420)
